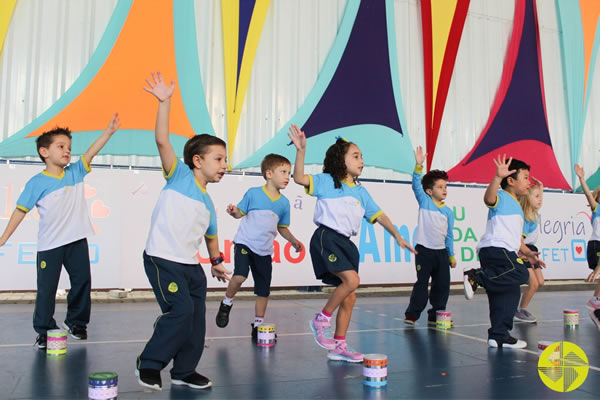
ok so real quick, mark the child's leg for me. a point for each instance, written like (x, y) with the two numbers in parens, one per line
(187, 357)
(424, 264)
(440, 285)
(172, 328)
(350, 281)
(49, 265)
(344, 315)
(77, 264)
(234, 285)
(501, 269)
(262, 271)
(532, 287)
(503, 305)
(260, 308)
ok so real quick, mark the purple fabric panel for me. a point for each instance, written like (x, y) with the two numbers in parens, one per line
(521, 115)
(360, 91)
(246, 9)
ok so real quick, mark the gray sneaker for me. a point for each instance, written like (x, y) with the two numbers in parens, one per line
(522, 315)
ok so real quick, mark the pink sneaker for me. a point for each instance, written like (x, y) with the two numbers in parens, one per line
(593, 304)
(343, 353)
(322, 333)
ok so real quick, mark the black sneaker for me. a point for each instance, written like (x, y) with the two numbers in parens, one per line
(254, 332)
(223, 315)
(149, 378)
(511, 343)
(195, 380)
(40, 342)
(470, 283)
(77, 332)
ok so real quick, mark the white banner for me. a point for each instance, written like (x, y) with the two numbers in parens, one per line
(121, 202)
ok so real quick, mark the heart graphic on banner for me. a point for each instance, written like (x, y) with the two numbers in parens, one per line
(99, 210)
(578, 249)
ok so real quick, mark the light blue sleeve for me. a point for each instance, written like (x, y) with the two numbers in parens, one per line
(372, 210)
(318, 184)
(30, 196)
(80, 169)
(284, 217)
(417, 187)
(450, 234)
(245, 202)
(177, 172)
(211, 231)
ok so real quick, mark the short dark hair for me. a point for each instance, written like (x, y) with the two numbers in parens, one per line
(335, 161)
(272, 161)
(517, 165)
(199, 145)
(47, 138)
(432, 177)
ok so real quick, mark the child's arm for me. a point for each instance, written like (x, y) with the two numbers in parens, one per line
(385, 221)
(532, 256)
(588, 194)
(14, 221)
(287, 235)
(163, 93)
(114, 124)
(491, 193)
(234, 211)
(299, 140)
(218, 271)
(416, 176)
(450, 241)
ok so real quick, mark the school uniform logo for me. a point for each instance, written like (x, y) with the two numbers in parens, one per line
(43, 264)
(332, 258)
(244, 251)
(173, 287)
(418, 267)
(519, 261)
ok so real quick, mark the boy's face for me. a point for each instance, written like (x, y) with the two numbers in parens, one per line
(520, 185)
(59, 151)
(279, 176)
(213, 164)
(354, 161)
(439, 190)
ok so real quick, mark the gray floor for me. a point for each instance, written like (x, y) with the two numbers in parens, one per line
(423, 362)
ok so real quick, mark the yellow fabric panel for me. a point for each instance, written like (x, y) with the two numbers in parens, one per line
(6, 10)
(442, 13)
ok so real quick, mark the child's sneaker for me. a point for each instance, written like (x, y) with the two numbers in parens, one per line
(195, 381)
(77, 332)
(223, 315)
(343, 353)
(41, 341)
(254, 332)
(322, 333)
(510, 343)
(595, 316)
(593, 304)
(149, 378)
(409, 320)
(470, 283)
(522, 315)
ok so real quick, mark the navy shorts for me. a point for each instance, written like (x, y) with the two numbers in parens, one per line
(245, 260)
(331, 252)
(593, 253)
(526, 261)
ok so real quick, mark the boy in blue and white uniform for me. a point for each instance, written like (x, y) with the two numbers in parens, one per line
(502, 272)
(264, 212)
(434, 243)
(58, 193)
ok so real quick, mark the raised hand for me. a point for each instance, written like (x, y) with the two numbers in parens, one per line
(297, 137)
(579, 171)
(502, 164)
(232, 210)
(159, 88)
(537, 182)
(114, 125)
(420, 156)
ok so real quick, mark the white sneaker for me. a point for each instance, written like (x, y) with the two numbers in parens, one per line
(510, 343)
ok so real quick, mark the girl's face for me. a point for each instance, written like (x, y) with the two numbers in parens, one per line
(535, 198)
(354, 161)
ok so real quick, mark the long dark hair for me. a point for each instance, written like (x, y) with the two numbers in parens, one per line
(335, 163)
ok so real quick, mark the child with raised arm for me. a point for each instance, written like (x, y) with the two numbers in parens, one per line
(264, 212)
(434, 243)
(593, 246)
(531, 204)
(184, 215)
(342, 203)
(502, 272)
(58, 193)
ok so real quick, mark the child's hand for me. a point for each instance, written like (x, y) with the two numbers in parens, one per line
(114, 125)
(534, 259)
(453, 264)
(297, 246)
(220, 272)
(232, 210)
(2, 241)
(404, 244)
(594, 275)
(502, 164)
(297, 137)
(419, 155)
(537, 182)
(579, 171)
(159, 88)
